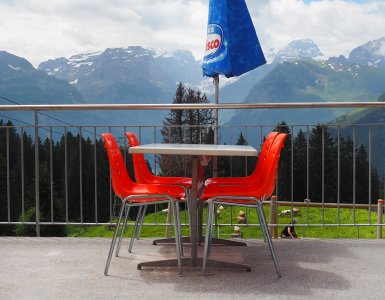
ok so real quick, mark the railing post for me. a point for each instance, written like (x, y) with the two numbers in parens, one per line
(380, 212)
(37, 177)
(273, 217)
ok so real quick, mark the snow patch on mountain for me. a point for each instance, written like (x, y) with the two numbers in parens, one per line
(14, 68)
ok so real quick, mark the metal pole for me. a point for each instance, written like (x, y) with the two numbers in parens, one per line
(22, 175)
(215, 159)
(380, 211)
(51, 170)
(8, 176)
(96, 176)
(37, 177)
(81, 174)
(66, 170)
(338, 174)
(370, 174)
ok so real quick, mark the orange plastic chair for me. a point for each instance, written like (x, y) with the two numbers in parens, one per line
(135, 194)
(256, 175)
(246, 196)
(144, 175)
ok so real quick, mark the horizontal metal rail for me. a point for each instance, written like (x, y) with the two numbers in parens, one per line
(278, 105)
(319, 205)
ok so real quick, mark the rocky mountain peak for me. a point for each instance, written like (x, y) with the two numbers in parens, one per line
(371, 53)
(15, 63)
(298, 49)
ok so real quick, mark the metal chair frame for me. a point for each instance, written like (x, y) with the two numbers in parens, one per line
(141, 195)
(251, 195)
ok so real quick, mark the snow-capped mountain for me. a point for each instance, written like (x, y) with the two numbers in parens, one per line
(299, 49)
(298, 75)
(372, 54)
(125, 75)
(296, 50)
(22, 83)
(8, 60)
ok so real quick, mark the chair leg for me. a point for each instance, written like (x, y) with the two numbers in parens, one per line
(200, 223)
(179, 227)
(208, 236)
(261, 224)
(177, 237)
(212, 216)
(271, 246)
(141, 222)
(188, 208)
(122, 232)
(216, 232)
(114, 239)
(138, 218)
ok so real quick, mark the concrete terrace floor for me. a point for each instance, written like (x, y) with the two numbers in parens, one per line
(72, 268)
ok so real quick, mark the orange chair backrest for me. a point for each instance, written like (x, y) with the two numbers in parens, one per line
(262, 156)
(270, 167)
(141, 171)
(121, 181)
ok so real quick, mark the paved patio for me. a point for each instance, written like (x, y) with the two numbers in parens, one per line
(72, 268)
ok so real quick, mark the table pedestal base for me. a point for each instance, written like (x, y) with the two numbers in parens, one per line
(215, 241)
(187, 263)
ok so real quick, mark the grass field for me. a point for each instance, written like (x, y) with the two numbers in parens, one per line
(333, 220)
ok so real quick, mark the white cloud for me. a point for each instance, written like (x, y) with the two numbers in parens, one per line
(39, 30)
(381, 50)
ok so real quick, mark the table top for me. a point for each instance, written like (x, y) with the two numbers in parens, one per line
(196, 149)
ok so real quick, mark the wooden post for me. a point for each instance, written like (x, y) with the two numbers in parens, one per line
(380, 212)
(273, 217)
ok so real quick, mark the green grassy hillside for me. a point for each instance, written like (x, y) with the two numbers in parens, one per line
(329, 216)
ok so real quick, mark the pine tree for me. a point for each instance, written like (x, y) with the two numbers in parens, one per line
(323, 166)
(362, 175)
(300, 167)
(172, 132)
(236, 166)
(346, 170)
(185, 126)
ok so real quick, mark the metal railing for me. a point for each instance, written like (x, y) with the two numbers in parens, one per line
(254, 133)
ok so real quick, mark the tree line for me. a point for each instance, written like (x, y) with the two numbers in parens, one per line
(67, 192)
(325, 168)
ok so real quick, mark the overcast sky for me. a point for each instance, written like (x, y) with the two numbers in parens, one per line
(39, 30)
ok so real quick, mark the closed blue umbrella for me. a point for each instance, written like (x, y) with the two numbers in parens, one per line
(232, 46)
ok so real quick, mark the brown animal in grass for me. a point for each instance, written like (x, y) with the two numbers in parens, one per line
(241, 217)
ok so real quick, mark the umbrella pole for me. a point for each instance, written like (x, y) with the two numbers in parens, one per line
(215, 159)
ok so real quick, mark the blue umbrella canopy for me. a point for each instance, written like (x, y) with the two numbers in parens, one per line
(232, 46)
